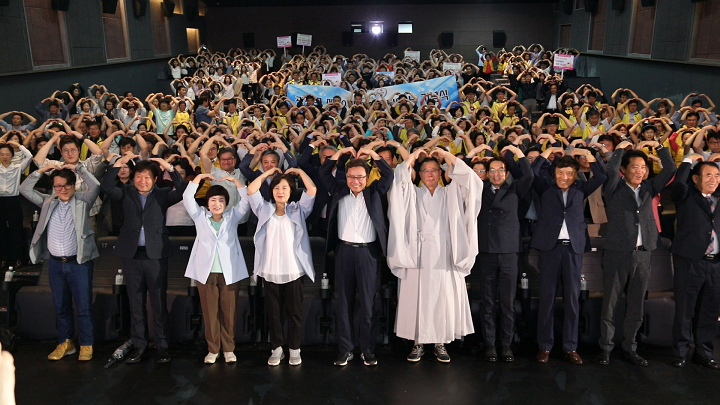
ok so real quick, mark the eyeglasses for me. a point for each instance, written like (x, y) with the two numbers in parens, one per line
(501, 171)
(480, 171)
(227, 160)
(64, 186)
(426, 171)
(358, 178)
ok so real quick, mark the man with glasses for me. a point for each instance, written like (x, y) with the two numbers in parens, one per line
(228, 160)
(499, 244)
(358, 235)
(64, 234)
(432, 248)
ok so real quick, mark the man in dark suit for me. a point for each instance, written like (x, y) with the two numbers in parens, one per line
(269, 159)
(357, 232)
(499, 243)
(696, 259)
(631, 237)
(561, 237)
(144, 246)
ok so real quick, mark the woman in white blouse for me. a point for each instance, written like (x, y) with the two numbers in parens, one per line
(285, 258)
(217, 262)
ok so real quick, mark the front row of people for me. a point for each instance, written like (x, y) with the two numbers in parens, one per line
(435, 234)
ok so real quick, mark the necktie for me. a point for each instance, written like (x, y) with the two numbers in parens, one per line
(711, 247)
(495, 191)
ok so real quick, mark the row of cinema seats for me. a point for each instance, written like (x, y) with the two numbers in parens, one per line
(34, 313)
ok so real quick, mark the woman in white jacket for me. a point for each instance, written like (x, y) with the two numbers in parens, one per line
(217, 262)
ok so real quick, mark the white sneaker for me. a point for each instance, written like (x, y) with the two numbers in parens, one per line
(230, 357)
(276, 356)
(295, 359)
(210, 358)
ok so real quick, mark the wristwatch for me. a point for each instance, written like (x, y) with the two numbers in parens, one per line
(171, 169)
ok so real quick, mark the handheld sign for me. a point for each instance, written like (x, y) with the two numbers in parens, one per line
(414, 55)
(284, 42)
(304, 40)
(563, 62)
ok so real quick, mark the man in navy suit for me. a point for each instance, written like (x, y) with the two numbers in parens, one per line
(562, 237)
(357, 232)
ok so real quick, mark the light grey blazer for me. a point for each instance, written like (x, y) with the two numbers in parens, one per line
(82, 203)
(297, 212)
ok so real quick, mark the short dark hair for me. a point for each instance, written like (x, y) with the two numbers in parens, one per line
(227, 150)
(591, 113)
(692, 114)
(271, 152)
(483, 163)
(127, 141)
(277, 179)
(632, 154)
(147, 166)
(357, 163)
(567, 161)
(8, 147)
(697, 169)
(501, 160)
(216, 190)
(712, 134)
(66, 174)
(67, 140)
(92, 123)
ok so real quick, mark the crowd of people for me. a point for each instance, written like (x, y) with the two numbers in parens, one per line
(434, 191)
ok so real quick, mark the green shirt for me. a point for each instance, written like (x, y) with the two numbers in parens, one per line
(216, 268)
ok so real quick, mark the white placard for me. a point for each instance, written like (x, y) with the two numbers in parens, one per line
(334, 78)
(304, 40)
(284, 42)
(455, 67)
(563, 62)
(414, 55)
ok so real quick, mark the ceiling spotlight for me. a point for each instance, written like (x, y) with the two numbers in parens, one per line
(376, 29)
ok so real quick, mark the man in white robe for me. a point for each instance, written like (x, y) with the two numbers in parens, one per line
(431, 248)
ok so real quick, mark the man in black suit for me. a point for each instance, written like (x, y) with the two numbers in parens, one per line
(631, 237)
(269, 159)
(499, 243)
(562, 237)
(144, 246)
(357, 232)
(696, 259)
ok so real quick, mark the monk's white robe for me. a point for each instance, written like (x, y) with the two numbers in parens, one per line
(432, 244)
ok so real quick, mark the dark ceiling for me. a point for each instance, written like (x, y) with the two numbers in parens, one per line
(288, 3)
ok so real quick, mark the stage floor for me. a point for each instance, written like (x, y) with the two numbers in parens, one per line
(466, 380)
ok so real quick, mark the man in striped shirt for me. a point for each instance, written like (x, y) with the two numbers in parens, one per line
(64, 234)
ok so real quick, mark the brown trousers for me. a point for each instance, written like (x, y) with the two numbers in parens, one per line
(218, 301)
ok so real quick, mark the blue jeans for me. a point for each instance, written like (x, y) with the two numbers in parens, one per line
(72, 282)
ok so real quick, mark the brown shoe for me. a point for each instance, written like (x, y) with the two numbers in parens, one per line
(543, 356)
(86, 353)
(573, 357)
(65, 348)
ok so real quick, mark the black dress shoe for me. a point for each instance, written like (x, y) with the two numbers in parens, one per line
(162, 355)
(603, 358)
(706, 361)
(135, 356)
(679, 362)
(343, 359)
(490, 354)
(634, 358)
(506, 354)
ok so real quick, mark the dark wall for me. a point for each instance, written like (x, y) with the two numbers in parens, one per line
(23, 92)
(651, 78)
(472, 25)
(85, 34)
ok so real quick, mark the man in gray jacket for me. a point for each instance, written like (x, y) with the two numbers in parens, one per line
(64, 236)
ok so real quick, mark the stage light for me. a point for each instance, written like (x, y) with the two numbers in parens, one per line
(376, 29)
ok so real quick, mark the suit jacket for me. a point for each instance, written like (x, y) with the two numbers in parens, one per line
(81, 202)
(251, 174)
(297, 212)
(553, 211)
(623, 212)
(498, 224)
(338, 188)
(152, 217)
(695, 221)
(322, 196)
(225, 241)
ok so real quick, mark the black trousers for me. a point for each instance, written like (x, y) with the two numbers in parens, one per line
(695, 280)
(499, 283)
(624, 271)
(13, 246)
(283, 300)
(145, 276)
(356, 270)
(559, 263)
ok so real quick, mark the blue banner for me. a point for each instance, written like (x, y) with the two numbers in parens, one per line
(443, 90)
(323, 93)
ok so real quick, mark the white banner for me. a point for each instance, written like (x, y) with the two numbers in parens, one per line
(304, 40)
(284, 42)
(334, 78)
(563, 62)
(414, 55)
(455, 67)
